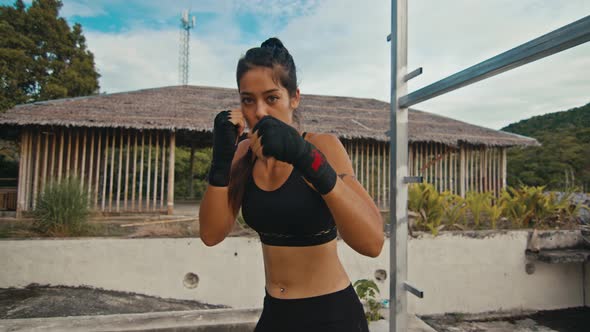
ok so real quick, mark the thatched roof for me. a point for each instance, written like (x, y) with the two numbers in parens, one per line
(193, 108)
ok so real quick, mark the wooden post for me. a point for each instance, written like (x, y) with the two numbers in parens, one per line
(127, 169)
(429, 163)
(139, 200)
(29, 174)
(104, 175)
(98, 154)
(171, 173)
(367, 180)
(133, 188)
(504, 163)
(436, 167)
(21, 174)
(91, 165)
(494, 159)
(191, 163)
(119, 169)
(45, 161)
(372, 171)
(69, 153)
(416, 159)
(462, 176)
(384, 161)
(162, 208)
(36, 170)
(378, 164)
(486, 157)
(362, 168)
(452, 171)
(481, 172)
(76, 156)
(149, 172)
(472, 169)
(83, 166)
(112, 172)
(356, 161)
(61, 155)
(53, 147)
(155, 191)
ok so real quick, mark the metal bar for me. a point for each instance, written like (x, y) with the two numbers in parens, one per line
(413, 290)
(398, 246)
(413, 74)
(568, 36)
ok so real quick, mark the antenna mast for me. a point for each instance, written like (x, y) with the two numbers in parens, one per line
(186, 24)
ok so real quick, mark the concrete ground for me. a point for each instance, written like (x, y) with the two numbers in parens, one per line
(565, 320)
(42, 301)
(44, 308)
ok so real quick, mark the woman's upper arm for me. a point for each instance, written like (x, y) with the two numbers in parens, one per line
(334, 151)
(338, 158)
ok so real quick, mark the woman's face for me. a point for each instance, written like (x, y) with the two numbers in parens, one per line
(260, 96)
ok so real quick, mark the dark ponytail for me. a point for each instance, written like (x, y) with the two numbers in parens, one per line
(271, 54)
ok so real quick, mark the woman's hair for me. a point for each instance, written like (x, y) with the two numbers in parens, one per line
(271, 54)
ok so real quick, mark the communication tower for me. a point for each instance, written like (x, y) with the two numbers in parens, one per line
(187, 22)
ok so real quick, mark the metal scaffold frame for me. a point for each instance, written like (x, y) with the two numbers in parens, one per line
(566, 37)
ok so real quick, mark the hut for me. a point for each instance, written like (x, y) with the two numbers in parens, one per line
(122, 144)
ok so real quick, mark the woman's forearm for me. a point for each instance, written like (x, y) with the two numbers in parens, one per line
(216, 218)
(358, 219)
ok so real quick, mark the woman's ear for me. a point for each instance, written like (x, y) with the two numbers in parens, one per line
(294, 102)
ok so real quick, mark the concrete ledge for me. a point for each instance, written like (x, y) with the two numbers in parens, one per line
(212, 320)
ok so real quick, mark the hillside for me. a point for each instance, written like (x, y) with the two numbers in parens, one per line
(564, 157)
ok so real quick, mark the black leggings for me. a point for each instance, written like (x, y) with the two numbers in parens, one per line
(340, 311)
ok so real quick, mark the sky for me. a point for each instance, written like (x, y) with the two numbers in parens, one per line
(340, 48)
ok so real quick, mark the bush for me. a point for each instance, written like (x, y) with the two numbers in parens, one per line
(521, 207)
(62, 209)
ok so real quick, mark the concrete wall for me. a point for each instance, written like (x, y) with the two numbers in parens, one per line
(468, 272)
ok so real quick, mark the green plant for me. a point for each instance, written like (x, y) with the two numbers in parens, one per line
(367, 290)
(62, 209)
(454, 208)
(477, 202)
(494, 212)
(429, 204)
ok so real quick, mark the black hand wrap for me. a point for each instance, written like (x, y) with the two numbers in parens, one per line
(225, 135)
(283, 142)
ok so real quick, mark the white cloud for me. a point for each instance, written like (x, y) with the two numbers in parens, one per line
(340, 49)
(81, 9)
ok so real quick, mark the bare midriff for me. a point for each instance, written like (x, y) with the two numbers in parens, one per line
(300, 272)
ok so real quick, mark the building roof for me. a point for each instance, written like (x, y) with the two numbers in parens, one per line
(193, 108)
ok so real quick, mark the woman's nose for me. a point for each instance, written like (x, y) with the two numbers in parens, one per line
(261, 110)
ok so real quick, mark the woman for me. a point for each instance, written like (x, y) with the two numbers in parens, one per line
(296, 190)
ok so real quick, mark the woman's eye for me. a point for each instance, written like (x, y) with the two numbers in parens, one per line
(272, 99)
(247, 100)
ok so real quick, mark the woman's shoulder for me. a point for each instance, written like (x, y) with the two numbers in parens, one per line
(323, 140)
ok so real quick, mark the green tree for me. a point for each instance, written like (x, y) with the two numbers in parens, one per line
(563, 160)
(41, 57)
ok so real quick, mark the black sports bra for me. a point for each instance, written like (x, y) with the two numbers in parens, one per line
(293, 215)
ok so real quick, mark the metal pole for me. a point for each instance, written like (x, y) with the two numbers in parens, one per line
(398, 245)
(568, 36)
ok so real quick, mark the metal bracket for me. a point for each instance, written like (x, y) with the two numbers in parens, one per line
(413, 179)
(418, 293)
(413, 74)
(389, 37)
